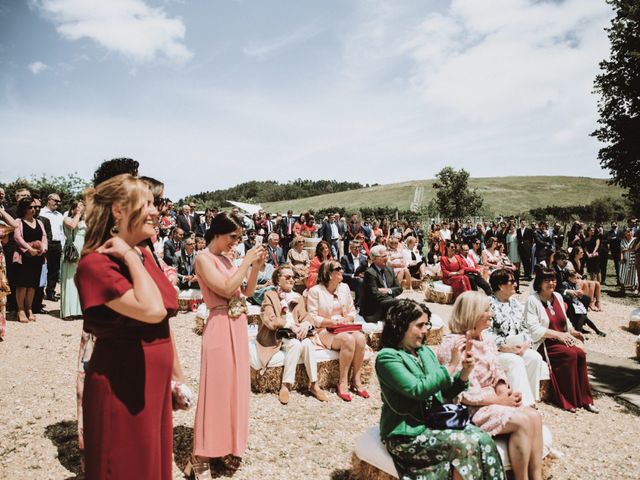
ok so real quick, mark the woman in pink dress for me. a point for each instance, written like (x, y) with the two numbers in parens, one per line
(222, 416)
(493, 406)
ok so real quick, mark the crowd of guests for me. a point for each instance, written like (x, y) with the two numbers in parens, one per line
(121, 252)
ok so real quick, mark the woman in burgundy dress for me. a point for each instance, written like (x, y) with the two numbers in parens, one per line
(556, 340)
(126, 303)
(453, 270)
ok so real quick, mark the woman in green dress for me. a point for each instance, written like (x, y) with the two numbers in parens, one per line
(410, 378)
(74, 231)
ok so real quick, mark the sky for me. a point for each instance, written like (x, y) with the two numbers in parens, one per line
(206, 94)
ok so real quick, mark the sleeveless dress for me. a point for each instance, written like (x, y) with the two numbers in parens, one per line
(69, 299)
(127, 389)
(222, 415)
(512, 247)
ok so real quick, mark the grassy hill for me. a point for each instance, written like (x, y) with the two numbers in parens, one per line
(502, 195)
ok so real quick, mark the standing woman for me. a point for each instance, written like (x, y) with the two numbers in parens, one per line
(9, 224)
(512, 252)
(126, 303)
(628, 276)
(31, 245)
(222, 417)
(75, 229)
(591, 250)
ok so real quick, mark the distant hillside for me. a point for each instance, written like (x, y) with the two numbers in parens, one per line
(502, 195)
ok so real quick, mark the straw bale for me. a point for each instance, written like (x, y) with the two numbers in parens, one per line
(328, 376)
(546, 392)
(365, 471)
(434, 337)
(198, 328)
(431, 295)
(634, 326)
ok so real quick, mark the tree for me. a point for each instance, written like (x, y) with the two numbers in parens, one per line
(453, 197)
(69, 187)
(619, 106)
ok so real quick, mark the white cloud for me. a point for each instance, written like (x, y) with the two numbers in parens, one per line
(38, 67)
(266, 48)
(130, 27)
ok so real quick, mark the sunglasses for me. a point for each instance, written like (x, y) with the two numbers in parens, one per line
(337, 269)
(287, 277)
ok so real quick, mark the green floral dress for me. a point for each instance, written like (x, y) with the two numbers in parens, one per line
(407, 382)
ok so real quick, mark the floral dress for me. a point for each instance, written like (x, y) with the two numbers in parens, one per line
(486, 375)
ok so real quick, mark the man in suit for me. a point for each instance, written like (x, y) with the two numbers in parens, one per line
(525, 240)
(614, 237)
(186, 266)
(468, 233)
(330, 233)
(353, 228)
(287, 231)
(557, 237)
(562, 287)
(185, 221)
(354, 264)
(473, 271)
(543, 242)
(379, 288)
(173, 245)
(275, 254)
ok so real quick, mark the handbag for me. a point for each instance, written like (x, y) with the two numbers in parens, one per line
(349, 327)
(70, 252)
(442, 416)
(289, 334)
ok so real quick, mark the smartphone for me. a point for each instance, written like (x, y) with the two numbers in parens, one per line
(258, 241)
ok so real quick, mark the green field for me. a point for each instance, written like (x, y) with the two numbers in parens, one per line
(502, 195)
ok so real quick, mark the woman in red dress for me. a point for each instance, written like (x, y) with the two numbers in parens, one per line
(453, 270)
(126, 303)
(557, 342)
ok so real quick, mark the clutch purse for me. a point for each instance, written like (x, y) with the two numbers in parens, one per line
(442, 416)
(237, 307)
(289, 334)
(348, 327)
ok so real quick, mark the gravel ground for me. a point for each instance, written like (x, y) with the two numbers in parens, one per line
(304, 440)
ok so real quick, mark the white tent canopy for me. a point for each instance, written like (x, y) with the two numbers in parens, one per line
(247, 207)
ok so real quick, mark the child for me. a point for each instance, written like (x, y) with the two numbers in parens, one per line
(580, 318)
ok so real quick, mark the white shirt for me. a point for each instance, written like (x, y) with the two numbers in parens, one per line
(56, 219)
(334, 231)
(356, 262)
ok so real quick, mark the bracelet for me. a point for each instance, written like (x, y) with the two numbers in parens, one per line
(139, 255)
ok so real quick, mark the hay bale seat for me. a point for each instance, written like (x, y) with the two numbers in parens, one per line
(189, 300)
(438, 292)
(374, 330)
(328, 370)
(634, 321)
(371, 461)
(638, 348)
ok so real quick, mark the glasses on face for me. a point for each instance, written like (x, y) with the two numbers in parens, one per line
(190, 244)
(287, 277)
(551, 280)
(337, 268)
(32, 207)
(55, 201)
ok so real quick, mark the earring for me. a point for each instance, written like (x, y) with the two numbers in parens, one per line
(114, 230)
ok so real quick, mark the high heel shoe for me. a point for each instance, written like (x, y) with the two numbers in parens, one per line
(197, 470)
(361, 392)
(344, 396)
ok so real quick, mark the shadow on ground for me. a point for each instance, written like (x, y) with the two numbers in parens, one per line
(64, 436)
(342, 474)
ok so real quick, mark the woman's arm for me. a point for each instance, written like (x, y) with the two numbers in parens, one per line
(8, 219)
(144, 301)
(72, 222)
(213, 279)
(269, 316)
(22, 244)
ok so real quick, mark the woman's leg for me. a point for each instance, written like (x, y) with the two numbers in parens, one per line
(407, 278)
(535, 434)
(518, 428)
(28, 302)
(21, 293)
(358, 358)
(346, 345)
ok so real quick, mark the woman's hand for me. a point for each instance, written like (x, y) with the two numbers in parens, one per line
(115, 247)
(510, 399)
(468, 362)
(255, 256)
(567, 339)
(577, 335)
(456, 353)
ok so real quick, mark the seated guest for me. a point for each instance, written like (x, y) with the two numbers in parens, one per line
(330, 304)
(275, 256)
(186, 266)
(397, 261)
(415, 262)
(263, 283)
(379, 288)
(286, 309)
(251, 240)
(453, 270)
(579, 309)
(323, 253)
(173, 245)
(354, 264)
(493, 405)
(200, 244)
(569, 294)
(556, 340)
(473, 271)
(590, 288)
(505, 261)
(298, 258)
(309, 229)
(411, 377)
(490, 256)
(364, 245)
(522, 364)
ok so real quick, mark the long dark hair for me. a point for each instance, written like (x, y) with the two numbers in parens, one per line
(319, 249)
(399, 316)
(222, 224)
(23, 206)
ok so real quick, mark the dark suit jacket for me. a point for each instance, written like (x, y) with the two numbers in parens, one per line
(348, 266)
(373, 280)
(284, 225)
(184, 267)
(278, 253)
(170, 248)
(525, 240)
(614, 237)
(182, 223)
(325, 231)
(47, 227)
(353, 228)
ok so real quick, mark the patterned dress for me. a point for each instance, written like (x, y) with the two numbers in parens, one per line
(628, 274)
(486, 375)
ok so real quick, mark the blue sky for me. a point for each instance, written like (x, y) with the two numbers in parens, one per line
(210, 93)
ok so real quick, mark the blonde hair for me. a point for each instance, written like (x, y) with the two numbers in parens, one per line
(467, 310)
(126, 189)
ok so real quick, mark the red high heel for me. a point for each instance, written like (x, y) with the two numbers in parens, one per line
(360, 392)
(344, 396)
